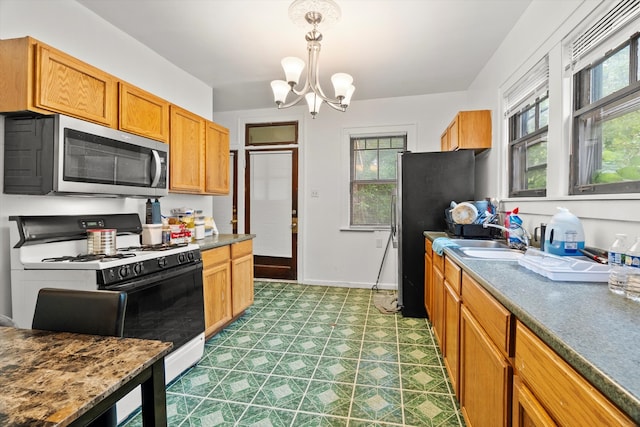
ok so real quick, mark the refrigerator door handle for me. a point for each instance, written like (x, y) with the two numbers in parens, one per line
(394, 222)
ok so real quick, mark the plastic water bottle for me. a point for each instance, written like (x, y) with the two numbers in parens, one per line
(618, 273)
(156, 217)
(632, 262)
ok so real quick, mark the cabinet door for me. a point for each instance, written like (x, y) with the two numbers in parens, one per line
(444, 141)
(186, 149)
(217, 159)
(143, 113)
(485, 377)
(565, 394)
(428, 285)
(453, 135)
(527, 411)
(451, 349)
(438, 306)
(216, 273)
(474, 129)
(69, 86)
(242, 283)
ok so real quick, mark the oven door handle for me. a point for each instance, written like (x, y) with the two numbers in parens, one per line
(144, 282)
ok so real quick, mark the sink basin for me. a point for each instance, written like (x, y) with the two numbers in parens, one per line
(495, 253)
(471, 243)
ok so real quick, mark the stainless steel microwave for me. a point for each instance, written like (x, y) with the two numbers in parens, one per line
(57, 154)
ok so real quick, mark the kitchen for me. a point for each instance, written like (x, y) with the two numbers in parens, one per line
(329, 254)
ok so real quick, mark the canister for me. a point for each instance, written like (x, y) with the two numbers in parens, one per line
(199, 229)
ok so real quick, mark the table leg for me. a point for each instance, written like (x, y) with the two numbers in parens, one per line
(154, 397)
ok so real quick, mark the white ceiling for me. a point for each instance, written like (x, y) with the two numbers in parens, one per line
(391, 47)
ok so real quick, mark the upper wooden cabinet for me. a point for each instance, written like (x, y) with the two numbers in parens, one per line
(143, 113)
(469, 130)
(216, 159)
(186, 152)
(36, 77)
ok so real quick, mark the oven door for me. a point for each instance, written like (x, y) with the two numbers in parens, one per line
(165, 306)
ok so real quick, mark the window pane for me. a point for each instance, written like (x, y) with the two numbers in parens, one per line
(398, 142)
(537, 154)
(387, 166)
(610, 144)
(528, 118)
(372, 144)
(544, 113)
(371, 203)
(366, 165)
(610, 75)
(537, 179)
(385, 143)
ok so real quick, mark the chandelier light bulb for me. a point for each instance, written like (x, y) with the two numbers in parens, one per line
(347, 98)
(314, 102)
(341, 83)
(280, 91)
(292, 67)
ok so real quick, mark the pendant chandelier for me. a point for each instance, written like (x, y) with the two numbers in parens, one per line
(312, 12)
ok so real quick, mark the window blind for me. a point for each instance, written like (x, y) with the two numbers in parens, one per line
(603, 30)
(532, 85)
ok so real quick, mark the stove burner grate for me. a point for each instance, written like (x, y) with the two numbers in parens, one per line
(88, 257)
(159, 247)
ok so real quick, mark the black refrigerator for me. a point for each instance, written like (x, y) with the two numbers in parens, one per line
(427, 183)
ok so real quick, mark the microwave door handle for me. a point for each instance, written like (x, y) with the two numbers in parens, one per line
(157, 168)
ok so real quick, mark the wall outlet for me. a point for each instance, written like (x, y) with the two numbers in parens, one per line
(315, 193)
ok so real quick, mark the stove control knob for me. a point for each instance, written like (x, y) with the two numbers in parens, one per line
(162, 262)
(181, 258)
(191, 256)
(124, 271)
(137, 269)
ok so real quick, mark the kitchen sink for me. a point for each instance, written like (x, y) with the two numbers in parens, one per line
(484, 249)
(477, 243)
(490, 253)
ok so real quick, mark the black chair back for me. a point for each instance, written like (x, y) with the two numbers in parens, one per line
(83, 312)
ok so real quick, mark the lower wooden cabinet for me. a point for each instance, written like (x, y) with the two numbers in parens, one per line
(227, 284)
(241, 276)
(485, 376)
(451, 330)
(554, 391)
(217, 288)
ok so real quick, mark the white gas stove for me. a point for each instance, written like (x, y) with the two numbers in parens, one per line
(163, 282)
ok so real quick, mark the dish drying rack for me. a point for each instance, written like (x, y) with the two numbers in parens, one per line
(564, 268)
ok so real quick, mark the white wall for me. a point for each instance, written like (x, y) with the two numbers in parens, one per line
(66, 25)
(537, 34)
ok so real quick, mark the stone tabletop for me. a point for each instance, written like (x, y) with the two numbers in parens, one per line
(594, 330)
(51, 378)
(218, 240)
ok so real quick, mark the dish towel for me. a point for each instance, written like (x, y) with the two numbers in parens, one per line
(440, 243)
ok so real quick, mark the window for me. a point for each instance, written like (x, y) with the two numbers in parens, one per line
(373, 178)
(528, 120)
(606, 114)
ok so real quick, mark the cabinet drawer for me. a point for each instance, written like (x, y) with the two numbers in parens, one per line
(496, 320)
(215, 256)
(452, 274)
(241, 248)
(565, 394)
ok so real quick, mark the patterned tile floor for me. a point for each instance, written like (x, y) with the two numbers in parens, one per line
(315, 356)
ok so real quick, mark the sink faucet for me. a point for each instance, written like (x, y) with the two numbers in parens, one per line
(518, 233)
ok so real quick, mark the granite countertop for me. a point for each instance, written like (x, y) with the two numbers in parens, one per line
(51, 378)
(594, 330)
(218, 240)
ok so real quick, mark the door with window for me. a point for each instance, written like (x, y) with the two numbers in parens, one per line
(271, 198)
